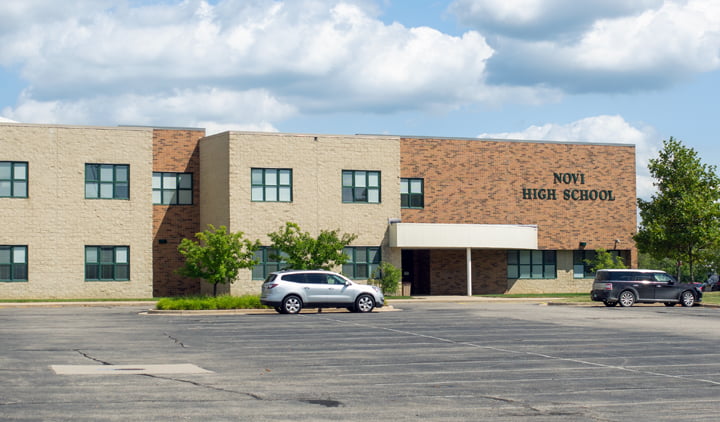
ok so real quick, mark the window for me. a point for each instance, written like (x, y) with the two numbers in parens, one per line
(271, 185)
(13, 179)
(362, 262)
(13, 263)
(581, 268)
(268, 262)
(172, 188)
(107, 181)
(361, 186)
(411, 193)
(531, 264)
(107, 263)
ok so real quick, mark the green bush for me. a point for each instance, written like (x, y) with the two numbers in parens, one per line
(387, 277)
(195, 303)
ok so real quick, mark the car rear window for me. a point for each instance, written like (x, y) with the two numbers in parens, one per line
(295, 278)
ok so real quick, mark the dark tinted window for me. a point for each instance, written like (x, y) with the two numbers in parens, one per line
(295, 278)
(316, 278)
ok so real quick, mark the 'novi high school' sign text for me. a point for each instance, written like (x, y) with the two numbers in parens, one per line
(568, 194)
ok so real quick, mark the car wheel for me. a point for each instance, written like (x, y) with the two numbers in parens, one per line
(669, 304)
(609, 303)
(364, 303)
(626, 299)
(291, 305)
(687, 298)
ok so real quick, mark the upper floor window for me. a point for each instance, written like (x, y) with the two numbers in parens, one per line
(271, 185)
(172, 188)
(411, 193)
(13, 263)
(362, 262)
(531, 264)
(107, 263)
(13, 179)
(361, 186)
(107, 181)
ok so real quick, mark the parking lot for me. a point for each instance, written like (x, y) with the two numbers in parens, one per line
(455, 361)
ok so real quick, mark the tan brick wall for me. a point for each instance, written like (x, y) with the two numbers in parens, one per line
(177, 151)
(481, 182)
(56, 222)
(317, 163)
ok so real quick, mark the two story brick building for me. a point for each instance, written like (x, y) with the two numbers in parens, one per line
(94, 212)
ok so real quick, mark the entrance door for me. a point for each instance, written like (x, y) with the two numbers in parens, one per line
(416, 270)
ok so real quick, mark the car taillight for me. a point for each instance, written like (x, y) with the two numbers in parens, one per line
(607, 286)
(271, 286)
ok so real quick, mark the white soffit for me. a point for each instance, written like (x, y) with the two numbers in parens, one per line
(479, 236)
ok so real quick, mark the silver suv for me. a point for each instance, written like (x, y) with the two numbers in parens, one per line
(291, 290)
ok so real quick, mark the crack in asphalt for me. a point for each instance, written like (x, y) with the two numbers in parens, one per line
(175, 340)
(94, 359)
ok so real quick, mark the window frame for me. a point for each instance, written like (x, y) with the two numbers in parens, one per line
(13, 266)
(579, 257)
(266, 263)
(99, 183)
(103, 266)
(359, 265)
(264, 187)
(178, 189)
(14, 181)
(354, 190)
(518, 259)
(410, 195)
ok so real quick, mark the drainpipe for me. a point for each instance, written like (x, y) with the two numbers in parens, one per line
(468, 254)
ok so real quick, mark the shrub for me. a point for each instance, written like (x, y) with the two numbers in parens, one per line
(194, 303)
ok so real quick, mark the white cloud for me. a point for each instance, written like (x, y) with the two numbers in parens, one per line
(308, 56)
(594, 45)
(608, 129)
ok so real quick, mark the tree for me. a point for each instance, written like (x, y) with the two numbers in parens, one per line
(301, 251)
(604, 260)
(217, 255)
(387, 277)
(682, 220)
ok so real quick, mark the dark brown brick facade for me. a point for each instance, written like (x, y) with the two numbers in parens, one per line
(175, 150)
(573, 192)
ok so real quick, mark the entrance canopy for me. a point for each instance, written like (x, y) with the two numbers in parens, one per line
(465, 236)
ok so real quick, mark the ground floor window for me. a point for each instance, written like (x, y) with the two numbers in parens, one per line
(107, 263)
(362, 262)
(532, 264)
(581, 266)
(13, 263)
(270, 260)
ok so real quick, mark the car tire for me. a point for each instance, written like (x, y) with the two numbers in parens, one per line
(687, 298)
(610, 303)
(626, 299)
(291, 305)
(670, 304)
(364, 303)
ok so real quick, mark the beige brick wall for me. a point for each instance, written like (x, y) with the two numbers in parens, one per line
(317, 162)
(56, 222)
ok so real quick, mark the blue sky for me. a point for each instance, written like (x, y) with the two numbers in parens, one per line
(597, 70)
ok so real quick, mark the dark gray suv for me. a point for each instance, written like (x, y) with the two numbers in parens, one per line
(628, 287)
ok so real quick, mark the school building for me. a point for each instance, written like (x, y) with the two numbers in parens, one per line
(98, 212)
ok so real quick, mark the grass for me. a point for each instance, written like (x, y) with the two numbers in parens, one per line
(209, 302)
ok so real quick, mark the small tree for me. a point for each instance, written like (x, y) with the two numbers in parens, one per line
(301, 251)
(604, 260)
(217, 255)
(387, 277)
(682, 220)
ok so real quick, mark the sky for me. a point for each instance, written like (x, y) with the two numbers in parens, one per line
(615, 71)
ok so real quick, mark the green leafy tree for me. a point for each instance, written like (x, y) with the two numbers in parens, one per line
(217, 255)
(682, 220)
(301, 251)
(387, 277)
(605, 260)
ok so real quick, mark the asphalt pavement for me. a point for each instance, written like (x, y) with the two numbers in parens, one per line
(438, 361)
